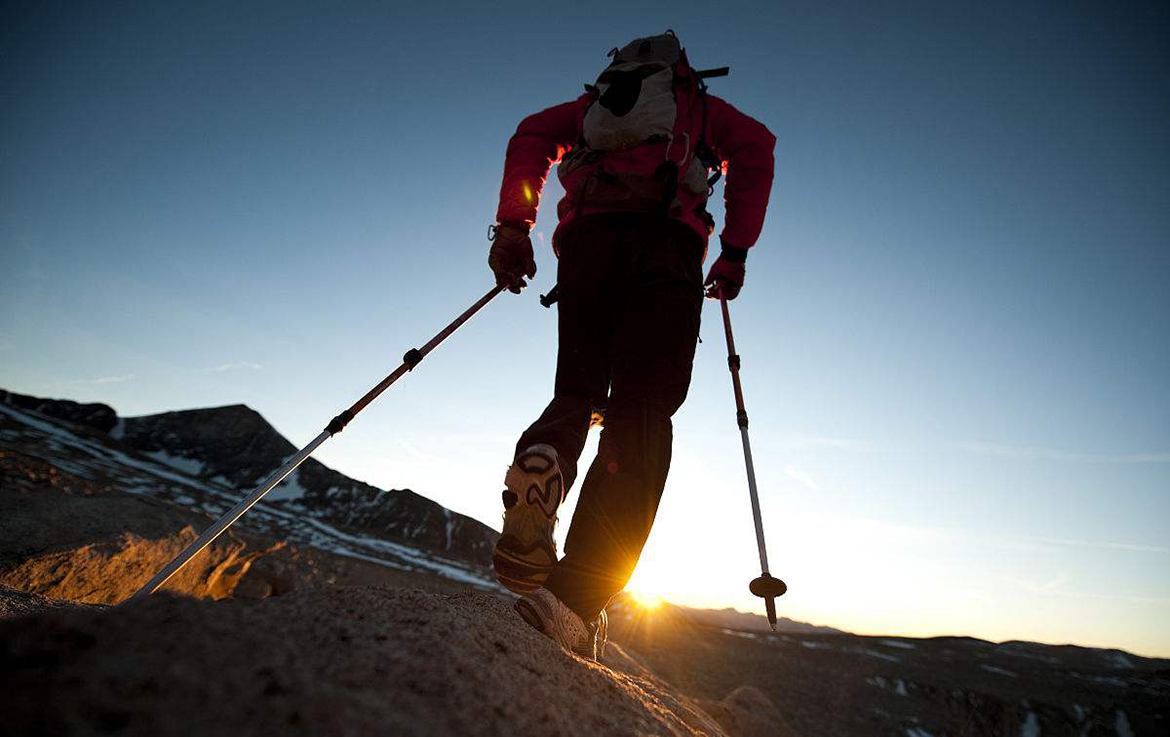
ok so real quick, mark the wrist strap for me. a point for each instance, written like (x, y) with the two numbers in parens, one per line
(522, 225)
(494, 228)
(734, 255)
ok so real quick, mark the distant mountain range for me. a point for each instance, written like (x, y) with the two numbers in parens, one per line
(743, 621)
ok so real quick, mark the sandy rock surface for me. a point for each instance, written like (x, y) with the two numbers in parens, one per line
(338, 660)
(15, 603)
(748, 712)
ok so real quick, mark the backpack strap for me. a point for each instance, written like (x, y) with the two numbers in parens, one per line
(703, 151)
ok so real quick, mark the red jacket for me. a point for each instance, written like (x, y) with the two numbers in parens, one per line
(742, 143)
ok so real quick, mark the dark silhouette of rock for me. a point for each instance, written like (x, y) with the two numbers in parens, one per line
(100, 417)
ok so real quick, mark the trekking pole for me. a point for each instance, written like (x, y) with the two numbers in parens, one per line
(336, 425)
(766, 587)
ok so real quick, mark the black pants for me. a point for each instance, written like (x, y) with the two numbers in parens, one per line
(628, 318)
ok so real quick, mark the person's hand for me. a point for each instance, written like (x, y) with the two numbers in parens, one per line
(510, 257)
(725, 278)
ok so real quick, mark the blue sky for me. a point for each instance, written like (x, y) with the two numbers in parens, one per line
(955, 327)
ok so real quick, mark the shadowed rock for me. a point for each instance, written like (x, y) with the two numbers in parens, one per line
(336, 660)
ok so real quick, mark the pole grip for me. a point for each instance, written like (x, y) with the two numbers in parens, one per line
(733, 361)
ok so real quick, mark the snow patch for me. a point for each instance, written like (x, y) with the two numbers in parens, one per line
(917, 732)
(1121, 724)
(1017, 652)
(118, 431)
(899, 644)
(734, 633)
(412, 555)
(1110, 681)
(999, 671)
(179, 463)
(900, 687)
(815, 645)
(1030, 726)
(288, 489)
(1119, 660)
(876, 654)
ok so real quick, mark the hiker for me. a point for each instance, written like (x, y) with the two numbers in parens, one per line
(638, 154)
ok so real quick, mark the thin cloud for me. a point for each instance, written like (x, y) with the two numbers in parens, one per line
(1050, 454)
(1056, 587)
(111, 379)
(419, 455)
(233, 366)
(856, 445)
(1132, 547)
(962, 536)
(801, 478)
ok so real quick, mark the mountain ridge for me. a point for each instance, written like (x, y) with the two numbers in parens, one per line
(235, 447)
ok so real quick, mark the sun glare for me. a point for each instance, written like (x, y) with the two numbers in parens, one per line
(647, 601)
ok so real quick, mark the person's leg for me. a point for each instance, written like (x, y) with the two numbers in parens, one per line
(651, 353)
(585, 325)
(526, 551)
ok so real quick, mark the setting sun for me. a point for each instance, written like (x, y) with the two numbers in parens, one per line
(647, 601)
(646, 585)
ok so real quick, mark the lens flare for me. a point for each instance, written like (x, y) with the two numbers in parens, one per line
(647, 601)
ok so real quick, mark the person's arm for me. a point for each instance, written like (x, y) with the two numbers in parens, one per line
(539, 141)
(746, 145)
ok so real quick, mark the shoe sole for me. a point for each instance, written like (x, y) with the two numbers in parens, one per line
(525, 554)
(529, 614)
(527, 611)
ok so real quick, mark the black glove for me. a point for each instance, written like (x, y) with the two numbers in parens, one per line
(510, 257)
(725, 278)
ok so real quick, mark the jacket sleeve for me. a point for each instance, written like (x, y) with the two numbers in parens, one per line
(745, 146)
(540, 140)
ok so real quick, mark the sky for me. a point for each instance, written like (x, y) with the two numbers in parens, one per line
(955, 328)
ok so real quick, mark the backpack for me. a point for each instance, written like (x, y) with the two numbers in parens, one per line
(642, 146)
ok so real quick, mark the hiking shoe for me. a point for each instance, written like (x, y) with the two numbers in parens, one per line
(549, 616)
(525, 554)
